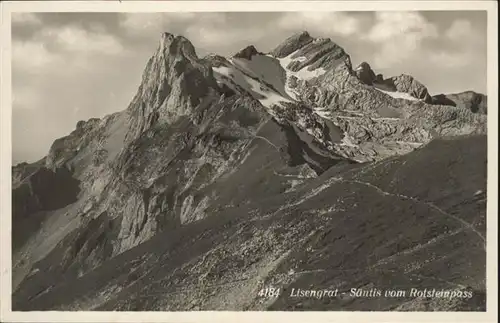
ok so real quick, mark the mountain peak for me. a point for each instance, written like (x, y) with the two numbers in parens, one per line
(165, 36)
(303, 34)
(365, 73)
(174, 83)
(247, 52)
(171, 44)
(301, 50)
(292, 43)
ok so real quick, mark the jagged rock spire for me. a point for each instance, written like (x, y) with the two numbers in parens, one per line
(365, 73)
(408, 84)
(247, 52)
(291, 44)
(314, 53)
(174, 82)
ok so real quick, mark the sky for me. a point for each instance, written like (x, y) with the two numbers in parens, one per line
(68, 67)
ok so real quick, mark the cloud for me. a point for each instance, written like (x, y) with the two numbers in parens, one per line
(446, 59)
(147, 22)
(62, 73)
(337, 23)
(208, 38)
(151, 24)
(459, 29)
(465, 46)
(29, 56)
(47, 48)
(59, 53)
(24, 98)
(75, 39)
(389, 25)
(398, 35)
(142, 23)
(209, 32)
(409, 38)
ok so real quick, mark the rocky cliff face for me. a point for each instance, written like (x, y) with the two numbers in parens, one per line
(250, 166)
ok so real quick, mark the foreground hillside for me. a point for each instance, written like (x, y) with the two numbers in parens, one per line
(289, 169)
(413, 221)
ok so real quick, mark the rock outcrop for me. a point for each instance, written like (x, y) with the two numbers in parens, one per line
(366, 75)
(390, 117)
(470, 100)
(35, 196)
(407, 84)
(247, 52)
(292, 44)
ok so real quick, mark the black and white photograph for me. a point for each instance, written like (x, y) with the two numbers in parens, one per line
(249, 161)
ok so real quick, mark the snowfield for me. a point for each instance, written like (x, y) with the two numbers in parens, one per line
(266, 96)
(266, 69)
(398, 95)
(304, 73)
(266, 78)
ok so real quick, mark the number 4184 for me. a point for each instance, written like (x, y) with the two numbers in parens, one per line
(269, 292)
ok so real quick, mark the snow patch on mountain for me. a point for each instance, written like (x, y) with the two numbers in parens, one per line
(264, 94)
(304, 73)
(398, 95)
(267, 78)
(265, 68)
(323, 112)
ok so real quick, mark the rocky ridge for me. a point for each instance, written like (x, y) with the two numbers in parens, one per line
(180, 154)
(470, 100)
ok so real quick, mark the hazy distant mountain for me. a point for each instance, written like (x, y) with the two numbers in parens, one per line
(225, 175)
